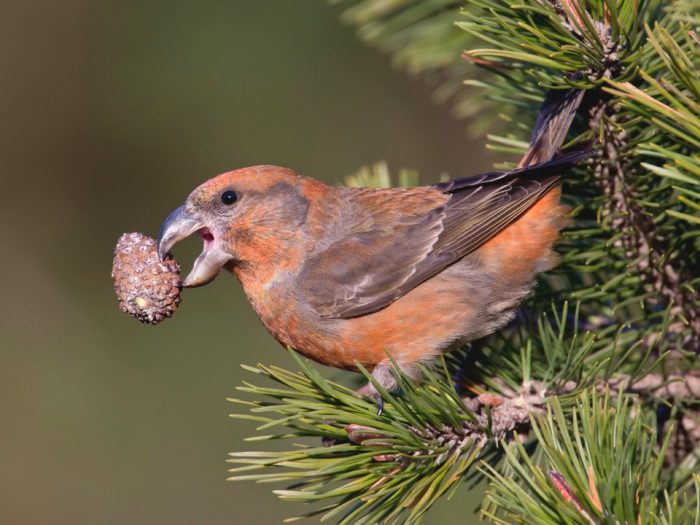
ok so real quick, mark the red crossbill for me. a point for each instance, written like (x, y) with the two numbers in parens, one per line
(354, 275)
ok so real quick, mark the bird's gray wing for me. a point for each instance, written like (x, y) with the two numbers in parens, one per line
(400, 238)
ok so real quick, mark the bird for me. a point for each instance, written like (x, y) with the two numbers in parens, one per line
(376, 278)
(350, 276)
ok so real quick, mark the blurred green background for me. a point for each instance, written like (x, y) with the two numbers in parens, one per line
(111, 113)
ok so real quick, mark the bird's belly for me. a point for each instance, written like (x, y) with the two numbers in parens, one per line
(294, 324)
(460, 304)
(453, 306)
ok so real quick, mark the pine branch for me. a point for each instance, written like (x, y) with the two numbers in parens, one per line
(603, 468)
(392, 468)
(672, 104)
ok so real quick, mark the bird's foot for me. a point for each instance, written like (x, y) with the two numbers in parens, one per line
(383, 374)
(370, 391)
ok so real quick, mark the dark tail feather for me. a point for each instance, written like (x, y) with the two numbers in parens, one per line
(554, 166)
(540, 171)
(553, 122)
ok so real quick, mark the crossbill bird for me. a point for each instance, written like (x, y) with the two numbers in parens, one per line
(355, 275)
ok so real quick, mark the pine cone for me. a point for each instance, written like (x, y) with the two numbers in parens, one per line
(147, 288)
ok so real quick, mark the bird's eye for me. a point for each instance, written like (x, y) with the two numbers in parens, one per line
(229, 197)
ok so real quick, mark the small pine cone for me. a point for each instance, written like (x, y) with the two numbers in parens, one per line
(147, 288)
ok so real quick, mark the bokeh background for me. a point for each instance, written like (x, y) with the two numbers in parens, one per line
(111, 112)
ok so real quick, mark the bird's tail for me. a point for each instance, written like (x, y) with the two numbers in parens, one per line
(525, 248)
(553, 122)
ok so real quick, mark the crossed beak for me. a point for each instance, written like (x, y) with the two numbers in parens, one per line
(182, 223)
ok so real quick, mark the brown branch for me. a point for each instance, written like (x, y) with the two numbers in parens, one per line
(498, 416)
(645, 245)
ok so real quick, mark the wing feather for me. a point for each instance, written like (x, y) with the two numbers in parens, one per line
(400, 238)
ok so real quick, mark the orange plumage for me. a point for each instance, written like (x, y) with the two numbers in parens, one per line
(352, 275)
(355, 275)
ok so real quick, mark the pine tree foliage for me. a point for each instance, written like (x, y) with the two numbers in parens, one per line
(600, 452)
(587, 408)
(628, 234)
(422, 38)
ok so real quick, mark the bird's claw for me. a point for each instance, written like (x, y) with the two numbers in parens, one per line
(370, 391)
(380, 403)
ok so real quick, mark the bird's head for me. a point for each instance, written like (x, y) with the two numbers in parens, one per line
(251, 217)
